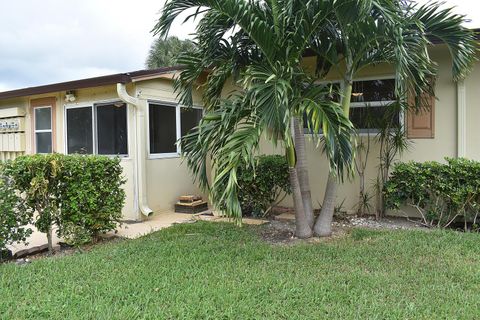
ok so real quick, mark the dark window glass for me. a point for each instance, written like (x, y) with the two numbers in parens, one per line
(370, 117)
(163, 129)
(189, 119)
(373, 90)
(43, 118)
(112, 135)
(43, 142)
(79, 130)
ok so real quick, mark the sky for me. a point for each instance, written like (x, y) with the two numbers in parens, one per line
(50, 41)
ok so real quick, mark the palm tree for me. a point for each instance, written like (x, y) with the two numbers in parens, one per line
(363, 33)
(164, 52)
(260, 45)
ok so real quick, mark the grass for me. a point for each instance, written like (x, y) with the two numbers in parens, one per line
(217, 271)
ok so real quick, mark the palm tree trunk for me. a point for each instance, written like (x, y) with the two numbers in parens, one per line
(323, 225)
(302, 171)
(303, 230)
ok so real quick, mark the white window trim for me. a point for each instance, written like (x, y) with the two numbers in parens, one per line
(178, 124)
(35, 131)
(93, 105)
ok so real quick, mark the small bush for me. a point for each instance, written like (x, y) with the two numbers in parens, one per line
(441, 193)
(92, 199)
(261, 187)
(14, 217)
(81, 195)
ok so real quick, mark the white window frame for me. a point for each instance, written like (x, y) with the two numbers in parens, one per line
(93, 107)
(178, 127)
(35, 131)
(366, 132)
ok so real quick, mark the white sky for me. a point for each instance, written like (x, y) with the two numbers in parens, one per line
(50, 41)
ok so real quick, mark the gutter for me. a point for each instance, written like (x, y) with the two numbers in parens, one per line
(141, 107)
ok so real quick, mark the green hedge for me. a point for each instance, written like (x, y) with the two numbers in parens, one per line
(260, 188)
(14, 217)
(441, 193)
(80, 195)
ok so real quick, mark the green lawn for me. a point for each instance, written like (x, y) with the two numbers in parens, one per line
(217, 271)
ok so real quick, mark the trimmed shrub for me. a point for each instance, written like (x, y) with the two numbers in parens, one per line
(14, 217)
(92, 197)
(81, 195)
(261, 188)
(441, 193)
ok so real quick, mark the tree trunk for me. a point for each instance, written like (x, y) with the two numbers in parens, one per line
(302, 171)
(49, 240)
(302, 228)
(323, 226)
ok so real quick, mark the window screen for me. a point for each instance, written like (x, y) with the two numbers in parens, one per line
(43, 130)
(112, 135)
(79, 130)
(163, 128)
(189, 119)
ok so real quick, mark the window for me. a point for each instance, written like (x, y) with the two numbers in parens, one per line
(79, 130)
(167, 124)
(109, 135)
(43, 129)
(190, 118)
(112, 137)
(368, 103)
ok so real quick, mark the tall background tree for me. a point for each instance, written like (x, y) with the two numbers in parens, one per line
(165, 52)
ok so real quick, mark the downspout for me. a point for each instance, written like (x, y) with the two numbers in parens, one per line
(141, 107)
(461, 119)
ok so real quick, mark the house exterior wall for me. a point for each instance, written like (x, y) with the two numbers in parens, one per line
(167, 178)
(444, 144)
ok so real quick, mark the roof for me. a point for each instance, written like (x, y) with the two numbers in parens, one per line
(91, 82)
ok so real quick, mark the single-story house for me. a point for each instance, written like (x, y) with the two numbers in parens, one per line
(135, 116)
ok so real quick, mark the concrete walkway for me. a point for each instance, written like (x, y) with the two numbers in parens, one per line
(38, 241)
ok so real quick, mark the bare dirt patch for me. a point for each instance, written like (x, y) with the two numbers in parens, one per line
(280, 231)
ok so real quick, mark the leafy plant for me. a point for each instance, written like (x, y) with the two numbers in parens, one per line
(80, 195)
(14, 217)
(262, 187)
(92, 196)
(36, 179)
(441, 193)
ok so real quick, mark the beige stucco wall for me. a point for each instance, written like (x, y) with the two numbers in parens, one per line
(443, 145)
(167, 178)
(472, 87)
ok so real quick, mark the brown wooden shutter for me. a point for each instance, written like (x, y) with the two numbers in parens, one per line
(421, 123)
